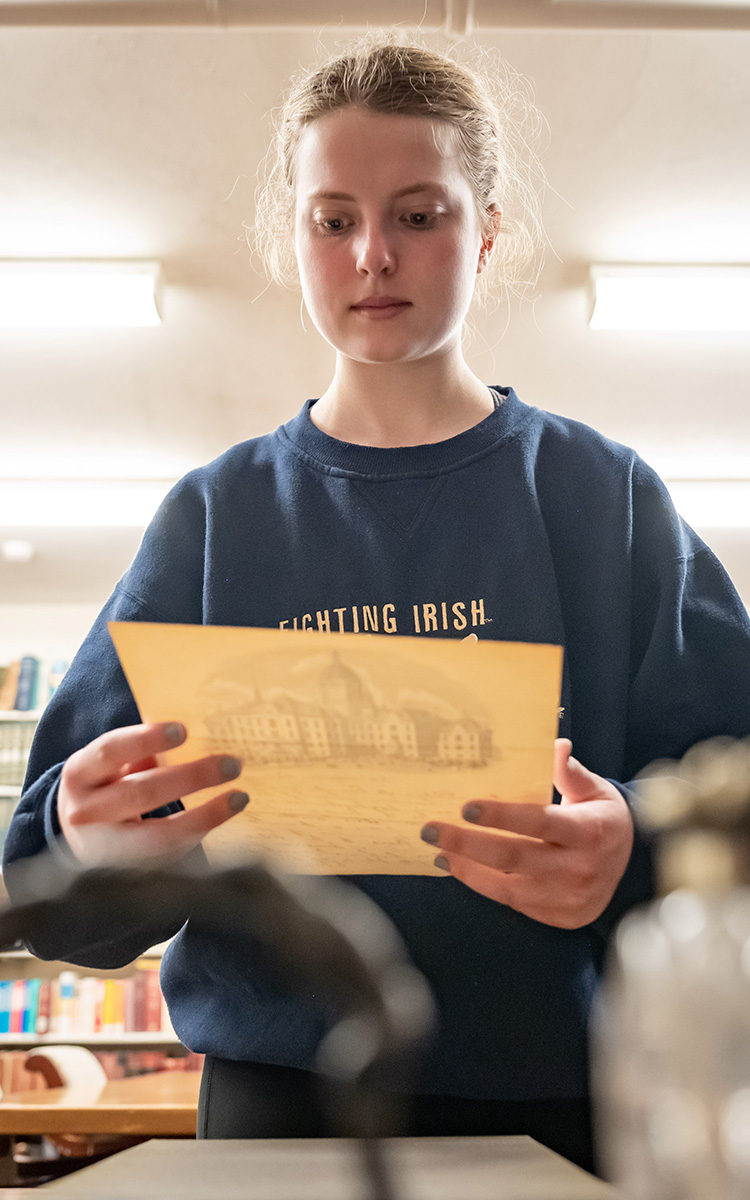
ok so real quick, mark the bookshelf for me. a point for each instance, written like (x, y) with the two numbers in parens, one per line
(62, 1002)
(55, 633)
(9, 1041)
(16, 731)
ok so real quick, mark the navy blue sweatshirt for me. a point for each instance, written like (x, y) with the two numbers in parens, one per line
(528, 527)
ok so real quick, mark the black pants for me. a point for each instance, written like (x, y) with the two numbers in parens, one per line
(248, 1100)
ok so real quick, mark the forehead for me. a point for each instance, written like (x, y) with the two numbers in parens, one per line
(353, 152)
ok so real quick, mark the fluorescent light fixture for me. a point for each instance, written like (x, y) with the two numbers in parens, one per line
(86, 293)
(27, 504)
(667, 3)
(671, 298)
(17, 551)
(712, 503)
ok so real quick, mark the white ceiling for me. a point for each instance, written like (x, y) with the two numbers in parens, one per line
(144, 143)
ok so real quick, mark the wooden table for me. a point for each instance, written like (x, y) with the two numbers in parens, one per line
(486, 1168)
(163, 1104)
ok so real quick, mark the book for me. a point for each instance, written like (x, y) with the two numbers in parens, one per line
(6, 987)
(153, 1003)
(140, 983)
(9, 686)
(26, 685)
(48, 679)
(17, 997)
(166, 1020)
(112, 1008)
(14, 1077)
(66, 990)
(57, 669)
(44, 1006)
(88, 1000)
(119, 1006)
(111, 1063)
(99, 1006)
(129, 1012)
(40, 693)
(30, 1005)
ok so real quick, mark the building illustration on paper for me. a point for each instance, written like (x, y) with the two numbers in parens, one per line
(344, 719)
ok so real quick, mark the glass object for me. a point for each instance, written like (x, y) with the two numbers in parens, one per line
(671, 1039)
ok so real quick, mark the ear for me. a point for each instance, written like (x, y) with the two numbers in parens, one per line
(489, 236)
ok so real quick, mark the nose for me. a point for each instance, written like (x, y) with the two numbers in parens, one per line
(374, 250)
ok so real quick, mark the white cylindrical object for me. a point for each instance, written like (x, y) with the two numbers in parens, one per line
(672, 1050)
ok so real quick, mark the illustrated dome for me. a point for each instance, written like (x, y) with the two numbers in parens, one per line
(341, 687)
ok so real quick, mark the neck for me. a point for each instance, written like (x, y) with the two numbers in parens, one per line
(401, 404)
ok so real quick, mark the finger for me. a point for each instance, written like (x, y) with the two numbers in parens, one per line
(144, 764)
(103, 760)
(170, 836)
(131, 796)
(572, 780)
(520, 892)
(181, 831)
(505, 889)
(518, 855)
(548, 822)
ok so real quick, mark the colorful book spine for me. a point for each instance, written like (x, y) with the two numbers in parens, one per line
(40, 695)
(113, 1009)
(99, 1006)
(57, 670)
(81, 1006)
(129, 1013)
(27, 683)
(17, 996)
(44, 1007)
(30, 1005)
(26, 686)
(66, 990)
(88, 998)
(10, 686)
(166, 1020)
(119, 1006)
(6, 988)
(153, 1001)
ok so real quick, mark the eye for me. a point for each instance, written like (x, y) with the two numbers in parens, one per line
(421, 220)
(331, 224)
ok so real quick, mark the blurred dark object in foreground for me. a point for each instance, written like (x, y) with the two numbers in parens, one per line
(321, 937)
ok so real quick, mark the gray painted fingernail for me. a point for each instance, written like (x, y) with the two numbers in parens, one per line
(175, 733)
(230, 768)
(430, 834)
(238, 801)
(442, 863)
(472, 812)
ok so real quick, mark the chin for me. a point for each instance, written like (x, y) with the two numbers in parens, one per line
(379, 350)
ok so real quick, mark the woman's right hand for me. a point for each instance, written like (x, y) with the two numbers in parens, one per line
(108, 785)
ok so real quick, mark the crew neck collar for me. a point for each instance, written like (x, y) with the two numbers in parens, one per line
(331, 455)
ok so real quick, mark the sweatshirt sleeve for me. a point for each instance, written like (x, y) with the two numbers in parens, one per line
(690, 661)
(164, 583)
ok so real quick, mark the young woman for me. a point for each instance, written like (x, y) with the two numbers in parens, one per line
(410, 481)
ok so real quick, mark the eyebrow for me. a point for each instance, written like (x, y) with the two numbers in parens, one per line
(406, 191)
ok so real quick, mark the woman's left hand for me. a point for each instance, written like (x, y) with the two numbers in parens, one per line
(564, 868)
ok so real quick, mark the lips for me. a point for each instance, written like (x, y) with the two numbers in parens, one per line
(381, 302)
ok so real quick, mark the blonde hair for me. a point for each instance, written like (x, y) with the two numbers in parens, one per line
(493, 121)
